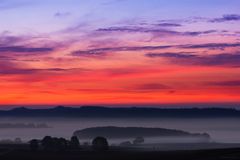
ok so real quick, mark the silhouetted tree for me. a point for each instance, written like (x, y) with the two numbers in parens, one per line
(74, 143)
(47, 142)
(34, 145)
(100, 144)
(138, 140)
(62, 144)
(55, 144)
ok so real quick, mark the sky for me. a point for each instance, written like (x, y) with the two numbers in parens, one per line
(115, 52)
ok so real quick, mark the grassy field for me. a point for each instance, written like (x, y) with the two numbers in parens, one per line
(22, 152)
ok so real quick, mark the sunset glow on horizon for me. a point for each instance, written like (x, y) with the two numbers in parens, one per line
(119, 52)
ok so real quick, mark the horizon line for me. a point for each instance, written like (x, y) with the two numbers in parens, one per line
(163, 106)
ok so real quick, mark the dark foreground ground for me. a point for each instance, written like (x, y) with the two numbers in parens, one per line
(119, 154)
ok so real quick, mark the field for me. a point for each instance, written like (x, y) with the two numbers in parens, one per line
(23, 152)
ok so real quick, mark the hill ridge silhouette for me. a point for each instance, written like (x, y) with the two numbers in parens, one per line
(107, 112)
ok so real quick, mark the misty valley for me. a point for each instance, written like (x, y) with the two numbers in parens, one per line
(221, 130)
(119, 133)
(127, 137)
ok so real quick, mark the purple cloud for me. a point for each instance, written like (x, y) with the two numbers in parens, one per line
(62, 14)
(9, 40)
(149, 87)
(169, 25)
(136, 29)
(226, 60)
(227, 17)
(102, 51)
(199, 33)
(7, 58)
(171, 55)
(210, 45)
(226, 83)
(155, 31)
(24, 49)
(11, 68)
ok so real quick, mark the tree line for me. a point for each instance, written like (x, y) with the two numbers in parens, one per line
(49, 143)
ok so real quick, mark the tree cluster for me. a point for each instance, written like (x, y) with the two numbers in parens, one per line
(49, 143)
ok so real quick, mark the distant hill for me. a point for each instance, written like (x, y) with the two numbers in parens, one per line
(97, 112)
(133, 132)
(23, 125)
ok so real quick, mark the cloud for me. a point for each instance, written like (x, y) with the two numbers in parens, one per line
(156, 31)
(171, 55)
(169, 25)
(226, 17)
(62, 14)
(28, 71)
(235, 83)
(149, 87)
(103, 51)
(7, 58)
(190, 20)
(136, 29)
(11, 68)
(224, 59)
(199, 33)
(210, 45)
(8, 68)
(24, 49)
(7, 39)
(21, 45)
(79, 28)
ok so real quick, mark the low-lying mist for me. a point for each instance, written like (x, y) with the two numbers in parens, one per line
(221, 130)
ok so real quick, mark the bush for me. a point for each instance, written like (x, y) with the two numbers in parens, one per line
(47, 143)
(34, 145)
(62, 144)
(54, 144)
(74, 143)
(100, 144)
